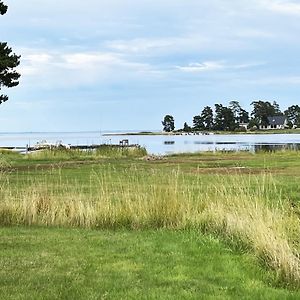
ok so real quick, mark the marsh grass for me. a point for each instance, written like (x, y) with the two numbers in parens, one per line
(102, 151)
(249, 212)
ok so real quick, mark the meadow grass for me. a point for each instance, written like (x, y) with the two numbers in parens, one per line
(250, 212)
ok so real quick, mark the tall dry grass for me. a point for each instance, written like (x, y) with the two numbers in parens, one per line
(249, 211)
(102, 151)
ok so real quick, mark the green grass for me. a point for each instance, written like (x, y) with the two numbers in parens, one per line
(40, 263)
(248, 201)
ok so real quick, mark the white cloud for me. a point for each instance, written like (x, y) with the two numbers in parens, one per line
(202, 67)
(53, 68)
(87, 60)
(33, 61)
(158, 46)
(281, 6)
(39, 58)
(216, 66)
(27, 70)
(101, 61)
(248, 65)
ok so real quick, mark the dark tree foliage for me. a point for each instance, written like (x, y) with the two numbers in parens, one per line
(198, 123)
(277, 111)
(243, 117)
(262, 110)
(205, 121)
(293, 115)
(186, 127)
(8, 62)
(224, 118)
(240, 115)
(234, 117)
(207, 117)
(236, 108)
(3, 8)
(168, 123)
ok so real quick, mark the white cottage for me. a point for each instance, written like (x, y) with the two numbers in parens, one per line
(276, 122)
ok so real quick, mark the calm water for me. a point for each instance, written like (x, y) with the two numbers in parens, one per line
(160, 144)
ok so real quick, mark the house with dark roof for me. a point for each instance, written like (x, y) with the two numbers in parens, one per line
(276, 122)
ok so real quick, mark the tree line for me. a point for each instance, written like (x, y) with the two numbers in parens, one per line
(235, 118)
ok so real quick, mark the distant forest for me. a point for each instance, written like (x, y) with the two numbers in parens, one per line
(235, 118)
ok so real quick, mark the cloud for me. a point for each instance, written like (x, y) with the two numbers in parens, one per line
(39, 58)
(209, 66)
(201, 67)
(281, 6)
(49, 68)
(187, 42)
(89, 60)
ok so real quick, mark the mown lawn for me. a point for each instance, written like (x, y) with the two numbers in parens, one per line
(57, 263)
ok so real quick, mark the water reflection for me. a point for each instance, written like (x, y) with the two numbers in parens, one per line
(276, 147)
(162, 144)
(169, 142)
(227, 146)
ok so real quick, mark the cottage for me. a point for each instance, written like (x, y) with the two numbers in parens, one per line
(276, 122)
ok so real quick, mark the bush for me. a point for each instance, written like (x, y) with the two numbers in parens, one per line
(240, 129)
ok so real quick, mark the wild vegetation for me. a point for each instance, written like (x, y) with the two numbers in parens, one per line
(249, 201)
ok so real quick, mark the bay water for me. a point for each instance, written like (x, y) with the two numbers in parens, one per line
(158, 144)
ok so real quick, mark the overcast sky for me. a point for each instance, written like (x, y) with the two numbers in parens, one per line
(124, 64)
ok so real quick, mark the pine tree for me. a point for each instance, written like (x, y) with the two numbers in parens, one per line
(8, 62)
(207, 117)
(168, 123)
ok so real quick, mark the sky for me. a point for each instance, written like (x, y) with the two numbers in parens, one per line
(125, 64)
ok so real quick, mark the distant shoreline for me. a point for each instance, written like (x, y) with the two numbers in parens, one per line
(150, 133)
